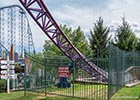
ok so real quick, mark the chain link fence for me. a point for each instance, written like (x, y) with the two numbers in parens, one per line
(43, 75)
(124, 69)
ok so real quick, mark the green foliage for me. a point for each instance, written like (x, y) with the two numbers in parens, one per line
(76, 37)
(138, 45)
(99, 39)
(51, 49)
(125, 38)
(2, 85)
(78, 40)
(36, 62)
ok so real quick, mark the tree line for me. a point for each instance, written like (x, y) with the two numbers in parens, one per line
(98, 41)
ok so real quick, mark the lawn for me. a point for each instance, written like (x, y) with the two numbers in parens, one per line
(81, 90)
(132, 93)
(19, 95)
(128, 93)
(98, 91)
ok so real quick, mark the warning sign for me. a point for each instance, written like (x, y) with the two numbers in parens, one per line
(63, 71)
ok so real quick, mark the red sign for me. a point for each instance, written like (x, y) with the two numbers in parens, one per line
(63, 71)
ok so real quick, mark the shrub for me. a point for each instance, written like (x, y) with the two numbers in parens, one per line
(2, 85)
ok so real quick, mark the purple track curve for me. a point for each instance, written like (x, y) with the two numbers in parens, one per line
(44, 19)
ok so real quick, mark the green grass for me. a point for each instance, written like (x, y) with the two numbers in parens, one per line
(128, 93)
(60, 98)
(124, 94)
(86, 90)
(81, 90)
(19, 95)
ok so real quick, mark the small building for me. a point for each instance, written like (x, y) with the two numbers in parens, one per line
(132, 76)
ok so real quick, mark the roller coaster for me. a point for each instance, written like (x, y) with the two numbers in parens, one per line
(43, 18)
(15, 29)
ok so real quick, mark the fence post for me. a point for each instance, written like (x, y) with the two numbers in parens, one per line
(123, 69)
(25, 76)
(73, 76)
(109, 71)
(45, 77)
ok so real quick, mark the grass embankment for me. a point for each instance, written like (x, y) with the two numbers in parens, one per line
(128, 93)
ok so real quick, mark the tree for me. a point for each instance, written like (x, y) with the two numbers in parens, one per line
(138, 45)
(78, 40)
(36, 61)
(75, 36)
(51, 49)
(125, 39)
(99, 38)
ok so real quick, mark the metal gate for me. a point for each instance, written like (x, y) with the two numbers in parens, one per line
(42, 76)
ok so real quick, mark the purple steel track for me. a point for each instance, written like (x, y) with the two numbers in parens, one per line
(42, 16)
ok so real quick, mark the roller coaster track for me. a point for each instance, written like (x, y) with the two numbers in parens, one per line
(41, 15)
(15, 29)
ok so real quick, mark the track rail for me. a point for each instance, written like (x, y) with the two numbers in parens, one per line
(44, 19)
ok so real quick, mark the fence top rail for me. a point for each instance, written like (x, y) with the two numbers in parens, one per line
(132, 67)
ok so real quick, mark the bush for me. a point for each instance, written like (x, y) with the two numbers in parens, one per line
(2, 85)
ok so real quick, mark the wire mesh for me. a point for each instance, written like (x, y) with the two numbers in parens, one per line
(119, 62)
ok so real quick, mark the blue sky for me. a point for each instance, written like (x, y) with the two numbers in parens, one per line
(84, 13)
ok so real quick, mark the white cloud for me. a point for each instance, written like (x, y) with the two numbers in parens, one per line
(127, 8)
(76, 17)
(79, 14)
(38, 36)
(8, 2)
(85, 16)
